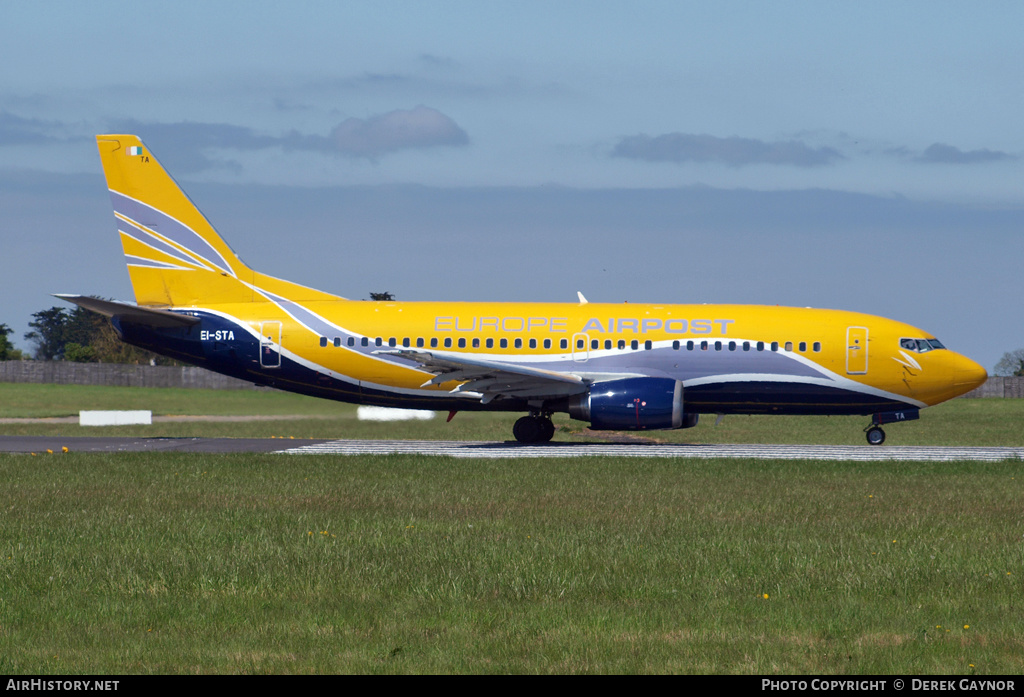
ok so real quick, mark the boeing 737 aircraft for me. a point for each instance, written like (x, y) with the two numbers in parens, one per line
(617, 366)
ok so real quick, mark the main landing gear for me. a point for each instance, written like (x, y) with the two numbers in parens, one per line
(535, 428)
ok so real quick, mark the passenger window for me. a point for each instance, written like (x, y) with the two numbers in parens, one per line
(746, 345)
(392, 342)
(563, 344)
(580, 343)
(378, 341)
(622, 344)
(490, 343)
(476, 343)
(447, 342)
(647, 345)
(419, 342)
(732, 345)
(789, 345)
(365, 341)
(519, 343)
(433, 342)
(533, 343)
(351, 341)
(775, 346)
(503, 343)
(595, 344)
(462, 343)
(607, 344)
(803, 347)
(634, 344)
(405, 342)
(675, 345)
(547, 343)
(689, 345)
(760, 346)
(817, 347)
(323, 342)
(703, 346)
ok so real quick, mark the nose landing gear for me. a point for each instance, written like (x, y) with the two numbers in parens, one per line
(874, 432)
(876, 436)
(535, 428)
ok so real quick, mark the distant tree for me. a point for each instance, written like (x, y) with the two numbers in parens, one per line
(7, 350)
(48, 333)
(381, 296)
(76, 353)
(1011, 364)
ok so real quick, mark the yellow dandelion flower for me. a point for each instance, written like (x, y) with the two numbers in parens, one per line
(765, 596)
(967, 626)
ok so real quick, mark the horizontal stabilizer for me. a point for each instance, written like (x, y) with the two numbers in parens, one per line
(136, 314)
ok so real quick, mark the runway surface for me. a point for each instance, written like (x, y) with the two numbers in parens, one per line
(774, 452)
(481, 449)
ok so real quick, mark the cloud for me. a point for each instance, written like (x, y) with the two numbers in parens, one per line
(16, 130)
(401, 129)
(187, 143)
(734, 151)
(940, 153)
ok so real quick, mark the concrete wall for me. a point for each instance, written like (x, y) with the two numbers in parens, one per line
(1000, 387)
(66, 373)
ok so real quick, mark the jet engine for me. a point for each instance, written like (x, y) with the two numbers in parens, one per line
(633, 404)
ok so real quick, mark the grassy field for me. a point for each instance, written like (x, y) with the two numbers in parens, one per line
(142, 563)
(980, 422)
(187, 563)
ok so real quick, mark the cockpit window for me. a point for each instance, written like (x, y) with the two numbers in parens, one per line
(921, 345)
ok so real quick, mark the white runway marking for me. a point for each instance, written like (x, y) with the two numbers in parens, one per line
(480, 449)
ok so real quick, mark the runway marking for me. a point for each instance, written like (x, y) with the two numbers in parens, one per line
(482, 449)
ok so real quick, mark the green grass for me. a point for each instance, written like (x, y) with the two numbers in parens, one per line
(978, 422)
(31, 400)
(175, 563)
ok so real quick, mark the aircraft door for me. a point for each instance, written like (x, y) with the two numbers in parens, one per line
(580, 348)
(856, 350)
(270, 344)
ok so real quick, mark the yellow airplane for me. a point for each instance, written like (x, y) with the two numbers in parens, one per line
(617, 366)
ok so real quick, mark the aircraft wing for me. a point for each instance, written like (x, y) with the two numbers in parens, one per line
(491, 379)
(138, 314)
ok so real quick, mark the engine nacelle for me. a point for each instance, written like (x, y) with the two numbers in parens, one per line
(633, 404)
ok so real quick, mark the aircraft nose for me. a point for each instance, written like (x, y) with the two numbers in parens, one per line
(967, 374)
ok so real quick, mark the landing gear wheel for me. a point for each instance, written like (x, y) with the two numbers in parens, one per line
(547, 429)
(876, 436)
(533, 429)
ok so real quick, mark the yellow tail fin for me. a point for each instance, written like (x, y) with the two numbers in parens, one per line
(175, 257)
